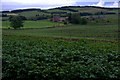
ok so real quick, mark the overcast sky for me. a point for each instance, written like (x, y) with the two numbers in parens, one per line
(46, 4)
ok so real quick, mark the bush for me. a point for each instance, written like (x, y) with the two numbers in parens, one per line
(76, 19)
(16, 21)
(65, 22)
(83, 21)
(23, 17)
(85, 14)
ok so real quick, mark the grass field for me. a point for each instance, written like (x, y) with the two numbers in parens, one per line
(107, 32)
(31, 14)
(92, 30)
(32, 24)
(89, 10)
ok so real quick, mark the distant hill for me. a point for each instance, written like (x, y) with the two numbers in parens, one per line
(66, 8)
(87, 7)
(62, 11)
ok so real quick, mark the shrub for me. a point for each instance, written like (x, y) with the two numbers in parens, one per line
(76, 19)
(65, 22)
(16, 22)
(83, 21)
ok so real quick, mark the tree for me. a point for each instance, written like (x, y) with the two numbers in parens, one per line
(23, 17)
(83, 21)
(76, 19)
(69, 17)
(16, 22)
(65, 22)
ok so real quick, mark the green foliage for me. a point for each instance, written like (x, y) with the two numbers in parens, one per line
(69, 17)
(76, 19)
(65, 22)
(62, 60)
(83, 21)
(100, 13)
(23, 17)
(16, 21)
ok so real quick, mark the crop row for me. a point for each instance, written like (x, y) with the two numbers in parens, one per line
(41, 59)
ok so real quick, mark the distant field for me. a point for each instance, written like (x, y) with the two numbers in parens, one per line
(43, 23)
(105, 32)
(58, 10)
(32, 24)
(89, 10)
(30, 14)
(92, 30)
(85, 9)
(12, 14)
(113, 19)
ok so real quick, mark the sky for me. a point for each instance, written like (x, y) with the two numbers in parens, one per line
(47, 4)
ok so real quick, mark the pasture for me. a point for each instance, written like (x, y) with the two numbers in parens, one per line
(32, 24)
(104, 32)
(93, 30)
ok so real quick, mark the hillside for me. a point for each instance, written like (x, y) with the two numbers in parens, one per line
(65, 9)
(31, 14)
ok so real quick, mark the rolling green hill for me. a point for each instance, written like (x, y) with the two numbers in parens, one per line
(30, 13)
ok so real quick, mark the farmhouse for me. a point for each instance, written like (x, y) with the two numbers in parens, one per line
(57, 19)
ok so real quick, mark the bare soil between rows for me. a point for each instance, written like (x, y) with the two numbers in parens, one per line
(61, 38)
